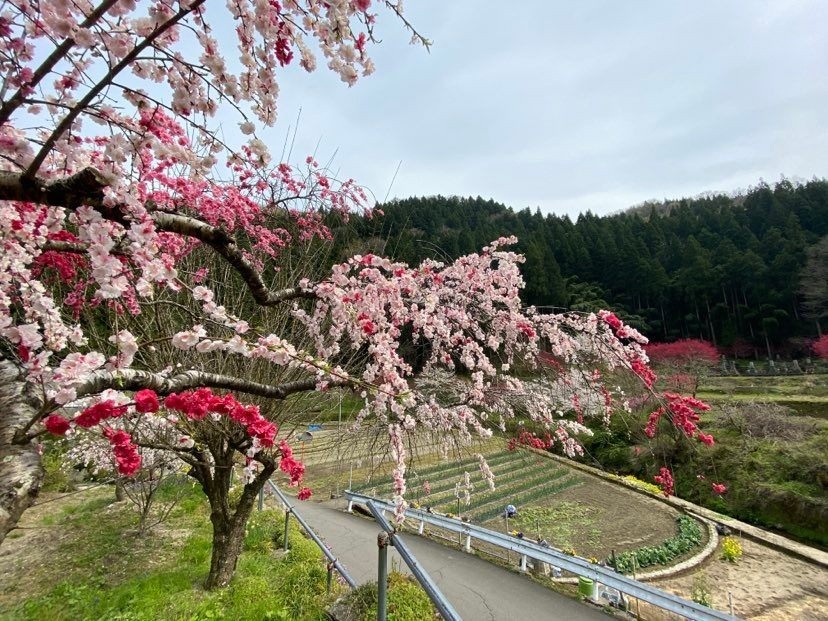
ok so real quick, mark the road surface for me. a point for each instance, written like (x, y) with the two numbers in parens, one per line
(478, 590)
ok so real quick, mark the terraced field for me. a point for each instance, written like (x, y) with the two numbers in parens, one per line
(521, 479)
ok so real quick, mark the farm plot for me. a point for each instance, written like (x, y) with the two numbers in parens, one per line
(520, 478)
(568, 508)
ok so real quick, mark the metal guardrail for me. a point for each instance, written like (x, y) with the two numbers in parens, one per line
(440, 602)
(333, 563)
(573, 564)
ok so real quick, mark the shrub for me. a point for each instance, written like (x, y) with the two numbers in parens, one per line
(55, 477)
(731, 549)
(820, 347)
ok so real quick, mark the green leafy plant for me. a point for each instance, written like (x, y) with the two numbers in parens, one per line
(689, 536)
(406, 601)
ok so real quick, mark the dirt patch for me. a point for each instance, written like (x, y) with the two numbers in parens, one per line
(766, 585)
(597, 517)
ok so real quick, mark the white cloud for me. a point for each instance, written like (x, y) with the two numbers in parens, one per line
(578, 106)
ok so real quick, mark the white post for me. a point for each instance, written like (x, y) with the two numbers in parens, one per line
(523, 562)
(350, 506)
(468, 543)
(422, 526)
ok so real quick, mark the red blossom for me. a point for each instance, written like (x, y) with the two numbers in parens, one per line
(56, 424)
(146, 401)
(683, 352)
(820, 347)
(719, 488)
(126, 453)
(643, 371)
(99, 412)
(664, 478)
(304, 493)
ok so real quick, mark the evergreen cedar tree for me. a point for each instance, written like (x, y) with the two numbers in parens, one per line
(731, 270)
(118, 195)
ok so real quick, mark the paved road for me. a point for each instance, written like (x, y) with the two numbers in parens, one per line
(478, 590)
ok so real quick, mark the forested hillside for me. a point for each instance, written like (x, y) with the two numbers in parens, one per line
(731, 270)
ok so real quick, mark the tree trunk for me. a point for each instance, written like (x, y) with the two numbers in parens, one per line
(228, 539)
(21, 472)
(120, 493)
(228, 529)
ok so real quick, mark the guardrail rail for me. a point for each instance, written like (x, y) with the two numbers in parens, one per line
(572, 564)
(290, 509)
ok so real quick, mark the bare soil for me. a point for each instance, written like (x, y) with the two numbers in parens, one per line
(766, 585)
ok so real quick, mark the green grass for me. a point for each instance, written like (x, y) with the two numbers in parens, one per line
(406, 601)
(103, 571)
(560, 524)
(772, 459)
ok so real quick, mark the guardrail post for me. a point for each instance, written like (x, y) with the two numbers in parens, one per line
(350, 506)
(523, 562)
(422, 527)
(467, 547)
(261, 498)
(382, 576)
(287, 522)
(330, 575)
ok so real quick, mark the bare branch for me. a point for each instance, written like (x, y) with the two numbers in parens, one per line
(134, 379)
(60, 52)
(220, 241)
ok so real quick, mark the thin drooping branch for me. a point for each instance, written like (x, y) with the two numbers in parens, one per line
(134, 379)
(86, 188)
(59, 53)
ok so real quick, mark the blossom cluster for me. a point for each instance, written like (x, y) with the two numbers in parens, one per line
(664, 478)
(290, 465)
(683, 414)
(197, 404)
(125, 451)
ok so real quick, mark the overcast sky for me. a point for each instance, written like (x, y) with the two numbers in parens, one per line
(575, 106)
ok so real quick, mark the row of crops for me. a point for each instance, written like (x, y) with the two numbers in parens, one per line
(520, 478)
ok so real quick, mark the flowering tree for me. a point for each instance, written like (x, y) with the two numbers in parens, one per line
(687, 360)
(110, 201)
(820, 347)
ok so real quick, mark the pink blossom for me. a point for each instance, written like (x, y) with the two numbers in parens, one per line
(719, 488)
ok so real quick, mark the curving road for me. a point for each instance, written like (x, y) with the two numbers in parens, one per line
(478, 590)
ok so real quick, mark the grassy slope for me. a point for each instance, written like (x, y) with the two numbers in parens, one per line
(774, 462)
(100, 569)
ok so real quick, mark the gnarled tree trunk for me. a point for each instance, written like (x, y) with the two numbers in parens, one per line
(21, 472)
(228, 523)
